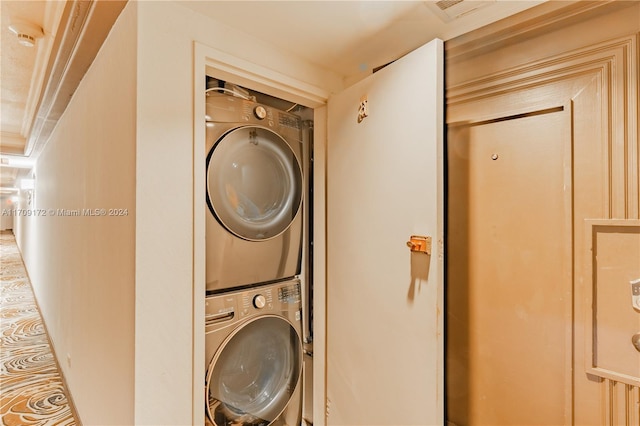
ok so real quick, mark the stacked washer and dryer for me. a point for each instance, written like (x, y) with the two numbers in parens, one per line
(254, 237)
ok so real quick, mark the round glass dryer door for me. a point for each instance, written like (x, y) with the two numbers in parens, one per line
(254, 183)
(252, 377)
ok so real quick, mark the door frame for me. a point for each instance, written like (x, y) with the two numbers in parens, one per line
(605, 183)
(214, 62)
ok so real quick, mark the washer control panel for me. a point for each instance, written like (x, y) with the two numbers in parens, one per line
(270, 298)
(276, 298)
(219, 309)
(289, 293)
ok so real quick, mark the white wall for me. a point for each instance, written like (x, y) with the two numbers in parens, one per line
(167, 292)
(7, 206)
(25, 228)
(118, 294)
(82, 267)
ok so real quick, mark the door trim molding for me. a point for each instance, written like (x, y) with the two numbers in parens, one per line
(227, 66)
(606, 158)
(614, 64)
(602, 57)
(214, 62)
(591, 284)
(528, 24)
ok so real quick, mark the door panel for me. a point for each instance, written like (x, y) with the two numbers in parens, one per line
(612, 289)
(599, 77)
(384, 330)
(509, 289)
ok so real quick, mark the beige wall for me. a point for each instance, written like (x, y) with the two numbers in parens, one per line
(6, 219)
(168, 292)
(118, 293)
(82, 267)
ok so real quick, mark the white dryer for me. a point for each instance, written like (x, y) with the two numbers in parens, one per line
(254, 193)
(254, 356)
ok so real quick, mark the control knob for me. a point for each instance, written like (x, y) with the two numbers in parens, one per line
(259, 301)
(260, 112)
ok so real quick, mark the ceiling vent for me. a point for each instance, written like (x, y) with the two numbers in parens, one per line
(448, 10)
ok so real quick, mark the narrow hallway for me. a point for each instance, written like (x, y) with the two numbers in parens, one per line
(31, 387)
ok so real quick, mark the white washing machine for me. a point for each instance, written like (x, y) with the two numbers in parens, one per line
(254, 356)
(254, 194)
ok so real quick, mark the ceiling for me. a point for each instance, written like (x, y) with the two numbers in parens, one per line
(21, 80)
(350, 38)
(353, 37)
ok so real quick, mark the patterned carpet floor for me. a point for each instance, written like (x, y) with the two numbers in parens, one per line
(31, 388)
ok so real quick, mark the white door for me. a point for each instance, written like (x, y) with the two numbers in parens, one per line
(384, 303)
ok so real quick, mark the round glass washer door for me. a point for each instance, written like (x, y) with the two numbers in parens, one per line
(254, 183)
(252, 377)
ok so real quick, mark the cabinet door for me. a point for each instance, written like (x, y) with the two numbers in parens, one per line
(384, 302)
